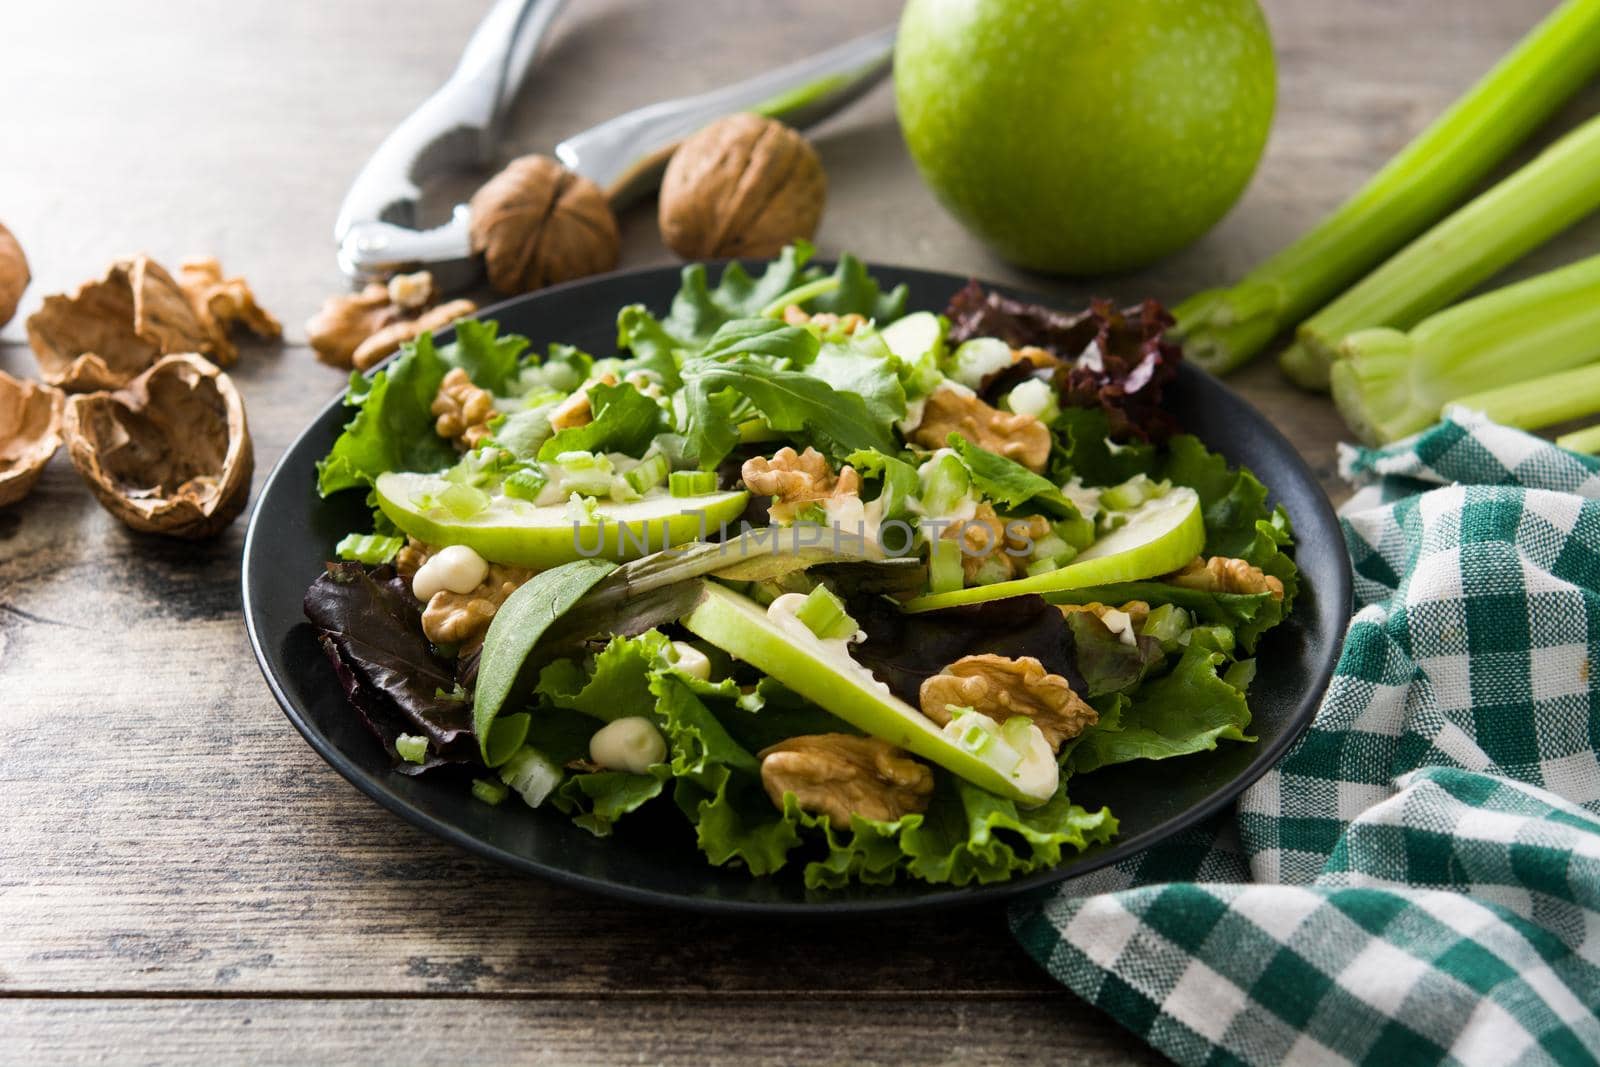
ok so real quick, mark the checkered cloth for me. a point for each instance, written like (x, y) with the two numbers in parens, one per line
(1418, 880)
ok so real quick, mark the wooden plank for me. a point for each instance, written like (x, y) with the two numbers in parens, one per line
(696, 1030)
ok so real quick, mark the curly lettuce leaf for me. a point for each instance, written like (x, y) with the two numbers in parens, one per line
(698, 309)
(597, 799)
(1085, 450)
(625, 420)
(393, 425)
(1188, 710)
(614, 684)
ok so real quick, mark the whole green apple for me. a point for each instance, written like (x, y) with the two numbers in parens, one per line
(1085, 136)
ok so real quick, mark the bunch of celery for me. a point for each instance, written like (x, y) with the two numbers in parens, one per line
(1224, 328)
(1490, 354)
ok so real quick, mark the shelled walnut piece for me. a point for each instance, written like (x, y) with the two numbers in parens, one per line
(459, 619)
(359, 329)
(796, 479)
(745, 185)
(14, 276)
(1016, 436)
(30, 433)
(826, 321)
(115, 328)
(1136, 610)
(1219, 574)
(168, 454)
(537, 223)
(1001, 687)
(839, 775)
(462, 411)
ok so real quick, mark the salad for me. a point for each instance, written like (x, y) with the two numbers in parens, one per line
(856, 590)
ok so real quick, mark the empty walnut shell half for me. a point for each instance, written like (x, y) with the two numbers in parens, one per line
(30, 433)
(743, 186)
(169, 454)
(14, 275)
(113, 329)
(537, 223)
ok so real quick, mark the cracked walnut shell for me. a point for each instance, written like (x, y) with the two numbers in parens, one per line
(223, 304)
(839, 775)
(112, 329)
(30, 433)
(537, 223)
(1015, 436)
(743, 186)
(14, 276)
(168, 454)
(1001, 687)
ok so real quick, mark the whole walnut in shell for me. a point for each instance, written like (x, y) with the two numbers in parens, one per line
(537, 223)
(170, 453)
(14, 275)
(743, 186)
(30, 433)
(114, 328)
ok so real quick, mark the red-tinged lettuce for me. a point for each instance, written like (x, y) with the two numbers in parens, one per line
(1117, 360)
(370, 627)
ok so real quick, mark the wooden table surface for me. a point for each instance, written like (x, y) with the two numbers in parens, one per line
(181, 878)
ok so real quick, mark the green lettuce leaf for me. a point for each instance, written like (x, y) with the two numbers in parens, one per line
(765, 339)
(625, 420)
(860, 293)
(393, 425)
(615, 684)
(596, 800)
(1185, 711)
(1248, 615)
(698, 310)
(652, 347)
(1008, 482)
(1085, 450)
(862, 364)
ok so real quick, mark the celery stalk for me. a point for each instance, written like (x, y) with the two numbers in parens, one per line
(1224, 328)
(1539, 402)
(1555, 190)
(1388, 384)
(1586, 440)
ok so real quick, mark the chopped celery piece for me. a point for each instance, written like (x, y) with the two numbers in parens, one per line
(524, 484)
(1240, 674)
(1052, 548)
(489, 791)
(583, 510)
(1017, 732)
(463, 501)
(586, 473)
(1560, 186)
(824, 615)
(1133, 492)
(1219, 638)
(993, 568)
(1079, 531)
(1041, 566)
(1224, 328)
(1390, 384)
(977, 359)
(1034, 397)
(371, 549)
(944, 566)
(1166, 623)
(651, 472)
(944, 483)
(531, 774)
(692, 483)
(812, 514)
(412, 748)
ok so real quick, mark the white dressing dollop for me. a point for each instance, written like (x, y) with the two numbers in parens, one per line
(454, 568)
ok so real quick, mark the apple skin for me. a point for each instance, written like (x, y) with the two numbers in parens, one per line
(1085, 137)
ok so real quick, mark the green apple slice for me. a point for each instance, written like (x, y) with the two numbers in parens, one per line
(1159, 537)
(824, 673)
(522, 534)
(914, 336)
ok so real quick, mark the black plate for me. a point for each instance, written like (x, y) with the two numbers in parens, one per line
(653, 859)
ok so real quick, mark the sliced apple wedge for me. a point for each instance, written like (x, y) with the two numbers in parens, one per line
(520, 533)
(824, 673)
(1159, 537)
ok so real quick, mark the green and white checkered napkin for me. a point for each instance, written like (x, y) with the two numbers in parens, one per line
(1418, 880)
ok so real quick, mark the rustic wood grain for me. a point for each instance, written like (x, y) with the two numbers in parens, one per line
(181, 879)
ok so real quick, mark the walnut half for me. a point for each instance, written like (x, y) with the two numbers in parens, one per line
(1018, 437)
(461, 619)
(358, 329)
(795, 479)
(839, 775)
(462, 411)
(1219, 574)
(1001, 688)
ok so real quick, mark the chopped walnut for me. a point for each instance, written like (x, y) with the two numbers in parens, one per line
(796, 479)
(1022, 533)
(1034, 356)
(409, 560)
(575, 409)
(839, 775)
(1219, 574)
(1019, 437)
(826, 321)
(223, 303)
(359, 329)
(461, 619)
(982, 539)
(1002, 688)
(462, 410)
(1136, 610)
